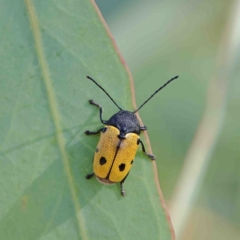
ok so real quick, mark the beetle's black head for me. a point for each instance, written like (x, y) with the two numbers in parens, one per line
(126, 122)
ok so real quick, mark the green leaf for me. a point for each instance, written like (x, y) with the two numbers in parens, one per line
(47, 49)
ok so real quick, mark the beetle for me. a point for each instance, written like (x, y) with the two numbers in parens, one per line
(118, 144)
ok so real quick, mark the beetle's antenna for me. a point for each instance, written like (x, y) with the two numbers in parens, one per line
(105, 92)
(164, 85)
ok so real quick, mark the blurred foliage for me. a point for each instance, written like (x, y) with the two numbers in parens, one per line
(161, 39)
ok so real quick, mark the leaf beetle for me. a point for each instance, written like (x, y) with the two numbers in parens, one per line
(118, 142)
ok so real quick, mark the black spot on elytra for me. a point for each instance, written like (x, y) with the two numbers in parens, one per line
(104, 130)
(122, 167)
(97, 150)
(102, 160)
(132, 162)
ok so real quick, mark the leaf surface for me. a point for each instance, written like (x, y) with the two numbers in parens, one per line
(47, 49)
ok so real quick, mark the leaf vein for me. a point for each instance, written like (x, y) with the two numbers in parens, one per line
(53, 109)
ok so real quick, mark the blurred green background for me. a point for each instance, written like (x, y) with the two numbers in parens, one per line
(161, 39)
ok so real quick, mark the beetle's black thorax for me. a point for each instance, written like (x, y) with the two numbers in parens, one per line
(125, 121)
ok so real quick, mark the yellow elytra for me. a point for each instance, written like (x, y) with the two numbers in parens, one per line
(114, 157)
(118, 143)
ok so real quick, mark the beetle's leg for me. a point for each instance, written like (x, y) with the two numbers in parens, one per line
(143, 149)
(100, 110)
(94, 133)
(143, 128)
(89, 175)
(123, 193)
